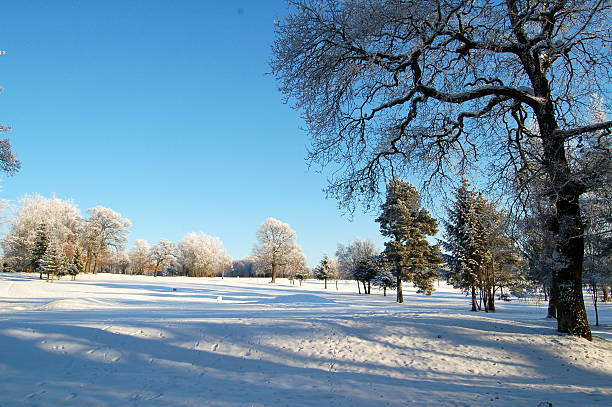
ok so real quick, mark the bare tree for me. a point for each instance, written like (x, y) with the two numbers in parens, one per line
(104, 230)
(436, 87)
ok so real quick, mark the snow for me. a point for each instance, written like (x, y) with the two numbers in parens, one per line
(115, 340)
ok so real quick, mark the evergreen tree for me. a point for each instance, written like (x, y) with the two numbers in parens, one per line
(41, 243)
(408, 224)
(76, 264)
(325, 270)
(364, 272)
(482, 256)
(53, 262)
(384, 277)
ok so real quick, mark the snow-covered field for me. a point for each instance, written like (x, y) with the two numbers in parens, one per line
(113, 340)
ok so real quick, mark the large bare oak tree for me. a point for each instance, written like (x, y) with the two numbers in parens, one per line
(433, 88)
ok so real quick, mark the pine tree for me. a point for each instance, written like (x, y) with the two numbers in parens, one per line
(482, 255)
(384, 277)
(408, 224)
(464, 241)
(53, 262)
(41, 243)
(76, 264)
(325, 270)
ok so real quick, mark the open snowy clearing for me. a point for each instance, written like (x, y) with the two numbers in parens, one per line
(114, 340)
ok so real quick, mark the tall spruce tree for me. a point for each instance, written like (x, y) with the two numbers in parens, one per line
(41, 243)
(482, 256)
(464, 240)
(52, 262)
(407, 224)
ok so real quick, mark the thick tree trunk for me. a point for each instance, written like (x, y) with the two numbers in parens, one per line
(273, 273)
(569, 254)
(474, 301)
(491, 302)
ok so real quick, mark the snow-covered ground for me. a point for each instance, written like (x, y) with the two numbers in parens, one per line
(113, 340)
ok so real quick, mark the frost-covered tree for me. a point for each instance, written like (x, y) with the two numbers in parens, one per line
(104, 230)
(275, 246)
(483, 258)
(75, 267)
(63, 222)
(295, 264)
(140, 256)
(163, 256)
(407, 224)
(438, 87)
(53, 262)
(384, 279)
(201, 255)
(41, 243)
(326, 270)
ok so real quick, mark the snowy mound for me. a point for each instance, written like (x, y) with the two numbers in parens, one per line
(78, 304)
(299, 299)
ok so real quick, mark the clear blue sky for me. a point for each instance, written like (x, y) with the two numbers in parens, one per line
(163, 111)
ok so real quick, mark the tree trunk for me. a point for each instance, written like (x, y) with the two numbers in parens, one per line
(369, 288)
(336, 285)
(474, 301)
(400, 293)
(604, 293)
(552, 299)
(491, 304)
(273, 273)
(566, 225)
(358, 287)
(365, 290)
(325, 283)
(384, 291)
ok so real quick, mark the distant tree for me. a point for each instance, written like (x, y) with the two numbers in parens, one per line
(53, 262)
(407, 224)
(41, 243)
(162, 255)
(63, 222)
(325, 270)
(75, 267)
(384, 279)
(203, 256)
(140, 256)
(364, 273)
(351, 255)
(275, 246)
(104, 230)
(302, 275)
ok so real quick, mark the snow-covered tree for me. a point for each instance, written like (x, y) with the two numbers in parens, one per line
(384, 279)
(163, 256)
(201, 255)
(75, 267)
(326, 270)
(63, 222)
(41, 243)
(275, 246)
(140, 256)
(53, 262)
(104, 230)
(407, 224)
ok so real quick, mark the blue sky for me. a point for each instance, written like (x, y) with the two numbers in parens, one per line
(165, 112)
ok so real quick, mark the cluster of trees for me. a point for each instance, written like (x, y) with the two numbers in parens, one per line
(436, 89)
(48, 235)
